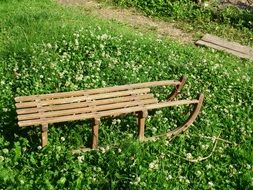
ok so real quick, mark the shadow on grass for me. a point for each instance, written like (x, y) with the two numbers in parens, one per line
(12, 133)
(76, 133)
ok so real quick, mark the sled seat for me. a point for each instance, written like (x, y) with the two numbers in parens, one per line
(45, 109)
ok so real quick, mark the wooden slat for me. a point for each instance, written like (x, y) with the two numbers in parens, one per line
(107, 113)
(83, 104)
(82, 98)
(97, 91)
(169, 104)
(86, 110)
(224, 45)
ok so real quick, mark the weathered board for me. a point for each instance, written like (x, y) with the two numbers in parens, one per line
(224, 45)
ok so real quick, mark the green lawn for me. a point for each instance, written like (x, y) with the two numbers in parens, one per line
(45, 47)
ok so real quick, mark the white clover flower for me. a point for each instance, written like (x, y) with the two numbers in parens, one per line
(153, 165)
(114, 121)
(210, 184)
(118, 121)
(79, 77)
(209, 166)
(198, 173)
(99, 169)
(76, 42)
(101, 46)
(204, 146)
(167, 143)
(107, 147)
(104, 37)
(181, 178)
(169, 177)
(248, 166)
(39, 147)
(5, 151)
(55, 46)
(159, 112)
(62, 138)
(154, 129)
(76, 35)
(137, 180)
(49, 45)
(102, 149)
(119, 150)
(118, 53)
(80, 159)
(189, 156)
(1, 158)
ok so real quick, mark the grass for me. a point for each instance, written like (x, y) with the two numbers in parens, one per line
(49, 48)
(230, 22)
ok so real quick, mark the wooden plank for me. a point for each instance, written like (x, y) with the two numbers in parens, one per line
(67, 112)
(238, 54)
(97, 91)
(224, 45)
(107, 113)
(227, 44)
(81, 98)
(83, 104)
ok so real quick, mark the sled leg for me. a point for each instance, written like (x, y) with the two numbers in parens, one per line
(141, 124)
(95, 128)
(44, 129)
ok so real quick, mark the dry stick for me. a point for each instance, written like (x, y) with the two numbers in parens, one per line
(201, 158)
(217, 138)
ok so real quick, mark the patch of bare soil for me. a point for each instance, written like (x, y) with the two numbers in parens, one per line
(247, 4)
(132, 18)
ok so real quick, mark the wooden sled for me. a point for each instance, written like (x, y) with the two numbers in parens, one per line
(45, 109)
